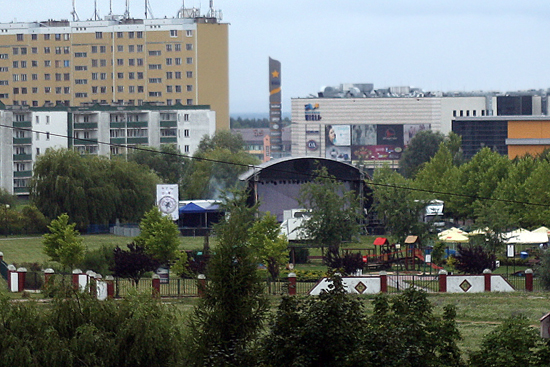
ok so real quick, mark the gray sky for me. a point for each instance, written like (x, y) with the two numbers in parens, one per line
(431, 44)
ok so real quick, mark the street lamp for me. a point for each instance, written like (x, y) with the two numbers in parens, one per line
(6, 207)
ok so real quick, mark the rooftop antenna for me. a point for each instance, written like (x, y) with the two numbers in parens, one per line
(127, 12)
(96, 13)
(148, 10)
(74, 14)
(110, 7)
(211, 12)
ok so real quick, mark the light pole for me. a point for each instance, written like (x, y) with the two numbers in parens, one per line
(6, 207)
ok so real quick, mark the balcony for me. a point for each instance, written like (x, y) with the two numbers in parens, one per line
(118, 125)
(168, 123)
(137, 124)
(85, 125)
(168, 139)
(21, 190)
(137, 141)
(118, 140)
(22, 157)
(19, 141)
(27, 124)
(85, 142)
(23, 174)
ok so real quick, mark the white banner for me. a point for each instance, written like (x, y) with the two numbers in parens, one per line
(168, 200)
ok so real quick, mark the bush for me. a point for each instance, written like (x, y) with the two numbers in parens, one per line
(300, 255)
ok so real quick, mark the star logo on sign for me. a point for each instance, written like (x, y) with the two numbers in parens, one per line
(275, 74)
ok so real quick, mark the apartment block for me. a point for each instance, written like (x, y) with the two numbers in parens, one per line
(108, 130)
(169, 61)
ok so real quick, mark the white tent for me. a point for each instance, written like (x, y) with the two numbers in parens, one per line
(523, 236)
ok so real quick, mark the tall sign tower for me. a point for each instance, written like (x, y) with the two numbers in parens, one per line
(275, 129)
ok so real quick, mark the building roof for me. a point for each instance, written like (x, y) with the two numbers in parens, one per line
(258, 134)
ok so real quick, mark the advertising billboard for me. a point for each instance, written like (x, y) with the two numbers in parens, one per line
(275, 129)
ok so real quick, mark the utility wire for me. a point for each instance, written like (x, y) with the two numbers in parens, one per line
(254, 167)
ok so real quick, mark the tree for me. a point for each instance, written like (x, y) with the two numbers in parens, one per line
(333, 214)
(400, 207)
(133, 263)
(421, 148)
(167, 162)
(64, 244)
(227, 320)
(33, 220)
(474, 259)
(7, 198)
(159, 236)
(317, 331)
(91, 189)
(216, 166)
(270, 247)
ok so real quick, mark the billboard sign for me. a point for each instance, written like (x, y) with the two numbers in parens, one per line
(168, 200)
(275, 131)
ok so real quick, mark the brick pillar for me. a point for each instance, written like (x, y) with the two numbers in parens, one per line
(76, 278)
(1, 256)
(292, 284)
(21, 274)
(529, 280)
(48, 276)
(110, 286)
(156, 285)
(12, 279)
(201, 285)
(92, 282)
(443, 281)
(383, 282)
(487, 274)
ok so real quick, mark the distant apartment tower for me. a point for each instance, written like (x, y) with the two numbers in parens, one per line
(182, 60)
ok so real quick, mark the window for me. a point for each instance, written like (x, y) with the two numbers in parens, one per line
(120, 75)
(66, 90)
(34, 37)
(189, 74)
(58, 90)
(169, 61)
(23, 50)
(66, 50)
(140, 75)
(168, 75)
(58, 63)
(131, 75)
(34, 50)
(155, 80)
(140, 89)
(177, 74)
(130, 35)
(20, 37)
(58, 77)
(140, 62)
(189, 33)
(189, 88)
(4, 82)
(120, 48)
(155, 66)
(98, 35)
(94, 49)
(94, 90)
(95, 76)
(66, 36)
(46, 37)
(154, 53)
(15, 64)
(81, 68)
(103, 76)
(80, 54)
(46, 50)
(178, 60)
(186, 148)
(189, 101)
(186, 133)
(94, 63)
(15, 77)
(131, 62)
(102, 63)
(67, 63)
(169, 89)
(103, 90)
(47, 63)
(47, 136)
(189, 46)
(4, 69)
(34, 63)
(120, 88)
(23, 64)
(173, 33)
(102, 49)
(66, 76)
(47, 120)
(178, 88)
(120, 62)
(186, 117)
(47, 90)
(47, 76)
(119, 34)
(168, 47)
(131, 89)
(81, 81)
(81, 95)
(189, 60)
(35, 90)
(177, 47)
(131, 48)
(58, 37)
(24, 91)
(139, 34)
(58, 50)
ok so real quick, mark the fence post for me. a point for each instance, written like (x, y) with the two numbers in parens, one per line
(201, 285)
(48, 276)
(487, 274)
(12, 279)
(110, 286)
(383, 282)
(1, 256)
(529, 280)
(92, 282)
(156, 286)
(76, 278)
(443, 280)
(21, 275)
(292, 284)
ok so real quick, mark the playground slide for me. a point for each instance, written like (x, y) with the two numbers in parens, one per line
(419, 256)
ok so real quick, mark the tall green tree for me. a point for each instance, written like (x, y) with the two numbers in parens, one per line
(333, 214)
(270, 246)
(216, 165)
(159, 236)
(63, 243)
(421, 148)
(229, 317)
(91, 189)
(167, 162)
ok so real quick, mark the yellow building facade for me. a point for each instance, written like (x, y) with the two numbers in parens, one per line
(121, 61)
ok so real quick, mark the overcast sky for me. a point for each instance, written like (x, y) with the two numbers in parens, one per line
(441, 45)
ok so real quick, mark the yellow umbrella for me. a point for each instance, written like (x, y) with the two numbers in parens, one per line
(453, 237)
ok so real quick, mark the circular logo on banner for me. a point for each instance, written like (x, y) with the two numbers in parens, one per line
(167, 204)
(312, 145)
